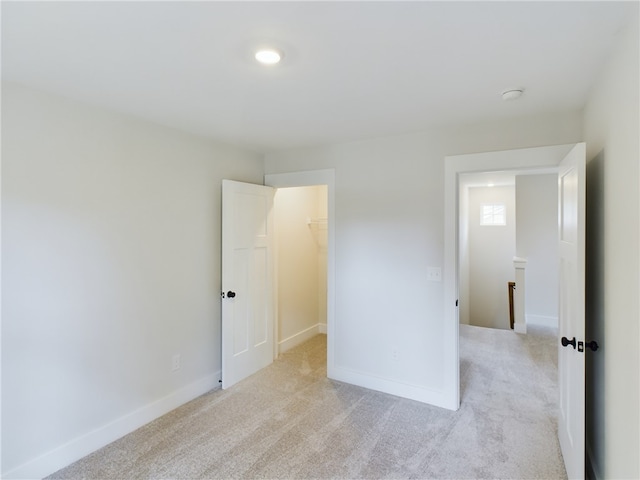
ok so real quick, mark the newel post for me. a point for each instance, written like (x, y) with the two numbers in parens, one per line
(520, 324)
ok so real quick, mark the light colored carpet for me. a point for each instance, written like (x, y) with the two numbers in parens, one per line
(289, 421)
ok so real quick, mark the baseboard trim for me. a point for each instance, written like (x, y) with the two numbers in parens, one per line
(399, 389)
(542, 320)
(82, 446)
(300, 337)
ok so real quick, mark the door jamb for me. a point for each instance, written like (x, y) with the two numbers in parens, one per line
(306, 179)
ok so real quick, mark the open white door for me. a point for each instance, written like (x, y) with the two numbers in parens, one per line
(571, 374)
(247, 280)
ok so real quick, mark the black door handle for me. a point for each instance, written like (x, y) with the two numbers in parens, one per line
(231, 294)
(566, 342)
(593, 345)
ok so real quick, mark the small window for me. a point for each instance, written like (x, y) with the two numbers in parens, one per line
(493, 214)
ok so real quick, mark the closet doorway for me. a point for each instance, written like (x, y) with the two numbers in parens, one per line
(319, 229)
(301, 227)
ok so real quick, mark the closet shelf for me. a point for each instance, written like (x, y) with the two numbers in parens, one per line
(316, 221)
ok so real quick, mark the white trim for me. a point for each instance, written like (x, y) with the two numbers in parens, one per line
(300, 179)
(542, 320)
(520, 328)
(82, 446)
(538, 158)
(300, 337)
(322, 328)
(393, 387)
(451, 361)
(305, 179)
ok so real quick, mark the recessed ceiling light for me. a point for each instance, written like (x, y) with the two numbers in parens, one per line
(512, 93)
(268, 56)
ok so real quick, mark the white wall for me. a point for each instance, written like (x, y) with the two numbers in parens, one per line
(537, 241)
(301, 249)
(389, 227)
(111, 264)
(611, 126)
(491, 252)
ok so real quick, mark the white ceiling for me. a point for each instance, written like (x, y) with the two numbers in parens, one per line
(352, 70)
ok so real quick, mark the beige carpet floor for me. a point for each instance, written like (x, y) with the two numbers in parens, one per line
(290, 422)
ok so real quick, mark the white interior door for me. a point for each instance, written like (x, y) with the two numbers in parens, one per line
(247, 280)
(571, 375)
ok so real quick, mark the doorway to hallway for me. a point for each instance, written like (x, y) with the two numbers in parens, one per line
(503, 216)
(570, 162)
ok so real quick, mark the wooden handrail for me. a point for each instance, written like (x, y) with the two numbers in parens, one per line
(511, 286)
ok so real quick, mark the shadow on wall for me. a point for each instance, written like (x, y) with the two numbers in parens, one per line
(594, 314)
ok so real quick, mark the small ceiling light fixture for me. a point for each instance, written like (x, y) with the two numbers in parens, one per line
(268, 56)
(512, 94)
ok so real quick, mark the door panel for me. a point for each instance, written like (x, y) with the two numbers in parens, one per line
(259, 304)
(247, 271)
(571, 378)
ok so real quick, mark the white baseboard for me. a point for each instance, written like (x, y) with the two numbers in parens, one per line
(542, 320)
(405, 390)
(300, 337)
(82, 446)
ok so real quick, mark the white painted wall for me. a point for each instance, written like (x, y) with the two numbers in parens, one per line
(491, 252)
(389, 227)
(301, 249)
(80, 184)
(111, 264)
(537, 241)
(611, 126)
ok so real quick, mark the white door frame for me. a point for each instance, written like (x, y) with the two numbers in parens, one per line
(521, 159)
(307, 179)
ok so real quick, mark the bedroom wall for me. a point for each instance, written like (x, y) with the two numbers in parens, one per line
(111, 265)
(611, 126)
(389, 228)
